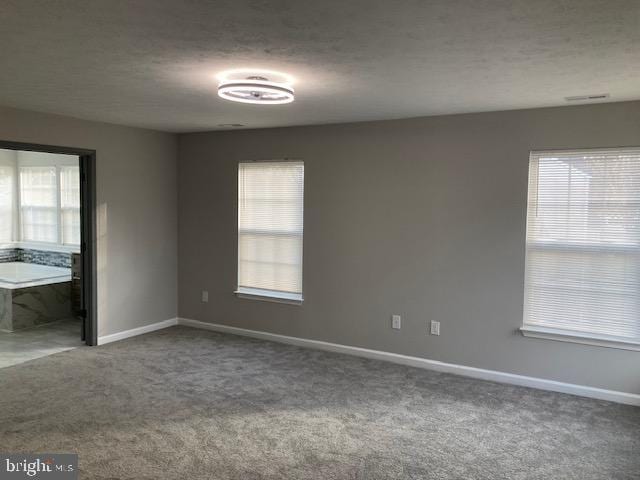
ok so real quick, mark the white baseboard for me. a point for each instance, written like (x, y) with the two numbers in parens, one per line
(114, 337)
(479, 373)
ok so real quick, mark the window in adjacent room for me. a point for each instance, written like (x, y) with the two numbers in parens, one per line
(270, 230)
(50, 204)
(70, 204)
(7, 203)
(582, 280)
(39, 204)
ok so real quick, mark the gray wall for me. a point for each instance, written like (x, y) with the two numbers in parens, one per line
(422, 217)
(136, 203)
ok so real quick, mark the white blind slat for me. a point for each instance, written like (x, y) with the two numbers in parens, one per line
(270, 226)
(583, 242)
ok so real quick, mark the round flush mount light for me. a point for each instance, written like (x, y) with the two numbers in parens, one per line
(255, 89)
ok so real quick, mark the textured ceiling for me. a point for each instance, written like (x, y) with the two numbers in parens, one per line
(152, 63)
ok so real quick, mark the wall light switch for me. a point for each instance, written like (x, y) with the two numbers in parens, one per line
(435, 327)
(205, 296)
(396, 321)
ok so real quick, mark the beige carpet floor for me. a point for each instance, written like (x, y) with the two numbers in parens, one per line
(183, 403)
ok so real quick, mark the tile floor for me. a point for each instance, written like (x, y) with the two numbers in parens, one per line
(24, 345)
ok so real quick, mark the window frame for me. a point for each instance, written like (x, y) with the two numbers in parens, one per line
(251, 293)
(563, 334)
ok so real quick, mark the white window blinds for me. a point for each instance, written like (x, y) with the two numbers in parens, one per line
(583, 243)
(270, 228)
(7, 176)
(39, 199)
(39, 204)
(70, 204)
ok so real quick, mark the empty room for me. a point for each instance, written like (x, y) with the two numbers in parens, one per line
(320, 240)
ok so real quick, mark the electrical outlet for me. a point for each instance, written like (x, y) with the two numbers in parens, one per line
(435, 327)
(396, 321)
(205, 296)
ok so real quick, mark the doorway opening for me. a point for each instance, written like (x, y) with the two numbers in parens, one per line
(47, 250)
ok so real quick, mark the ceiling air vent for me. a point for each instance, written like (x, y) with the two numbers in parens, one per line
(587, 98)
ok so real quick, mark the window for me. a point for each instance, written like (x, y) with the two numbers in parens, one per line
(270, 226)
(582, 280)
(50, 204)
(70, 204)
(39, 204)
(6, 203)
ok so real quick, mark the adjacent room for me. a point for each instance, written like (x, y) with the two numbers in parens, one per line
(40, 275)
(320, 240)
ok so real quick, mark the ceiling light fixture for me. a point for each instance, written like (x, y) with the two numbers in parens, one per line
(256, 90)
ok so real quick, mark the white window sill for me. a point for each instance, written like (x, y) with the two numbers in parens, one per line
(269, 296)
(48, 247)
(580, 337)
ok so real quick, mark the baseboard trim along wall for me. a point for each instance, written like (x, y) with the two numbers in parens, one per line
(479, 373)
(114, 337)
